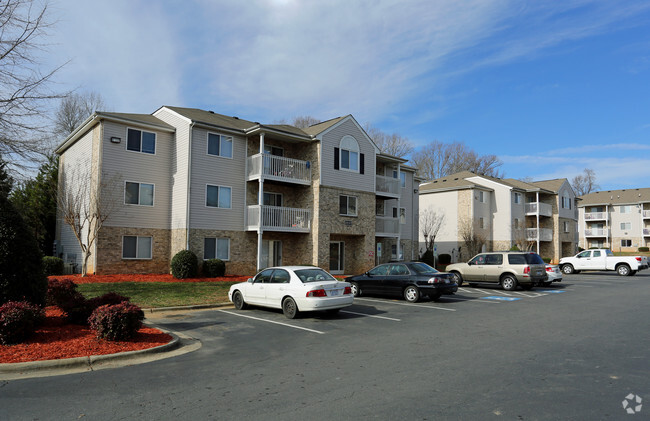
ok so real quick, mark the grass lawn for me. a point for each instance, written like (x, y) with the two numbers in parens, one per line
(162, 294)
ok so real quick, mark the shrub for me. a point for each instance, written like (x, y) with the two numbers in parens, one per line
(18, 320)
(110, 298)
(184, 265)
(546, 259)
(64, 295)
(444, 259)
(645, 249)
(52, 266)
(116, 322)
(514, 248)
(21, 267)
(213, 268)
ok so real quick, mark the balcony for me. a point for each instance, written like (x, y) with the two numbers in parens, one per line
(544, 209)
(597, 232)
(545, 234)
(386, 226)
(278, 168)
(646, 214)
(277, 218)
(595, 216)
(387, 186)
(646, 232)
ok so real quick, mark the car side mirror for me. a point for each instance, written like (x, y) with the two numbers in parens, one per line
(367, 273)
(250, 280)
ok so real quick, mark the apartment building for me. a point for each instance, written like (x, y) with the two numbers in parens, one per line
(251, 194)
(616, 219)
(539, 216)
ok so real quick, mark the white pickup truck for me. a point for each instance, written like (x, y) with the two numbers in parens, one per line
(603, 259)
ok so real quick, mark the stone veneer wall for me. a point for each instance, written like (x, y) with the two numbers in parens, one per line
(109, 251)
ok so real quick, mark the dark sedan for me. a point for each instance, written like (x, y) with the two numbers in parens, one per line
(412, 280)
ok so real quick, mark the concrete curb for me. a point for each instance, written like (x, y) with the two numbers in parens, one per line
(193, 307)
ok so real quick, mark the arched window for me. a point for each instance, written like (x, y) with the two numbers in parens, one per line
(349, 150)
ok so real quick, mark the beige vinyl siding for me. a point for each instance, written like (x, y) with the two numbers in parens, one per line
(121, 165)
(346, 179)
(217, 171)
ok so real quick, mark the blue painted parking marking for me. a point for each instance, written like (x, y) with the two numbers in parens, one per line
(500, 298)
(553, 291)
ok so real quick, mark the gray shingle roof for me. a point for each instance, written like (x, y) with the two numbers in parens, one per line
(615, 197)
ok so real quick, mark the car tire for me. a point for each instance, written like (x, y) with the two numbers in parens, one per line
(356, 291)
(623, 270)
(567, 269)
(435, 296)
(238, 301)
(509, 283)
(289, 308)
(457, 278)
(412, 294)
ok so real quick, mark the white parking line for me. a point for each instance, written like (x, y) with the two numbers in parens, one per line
(271, 321)
(528, 295)
(405, 304)
(370, 315)
(473, 300)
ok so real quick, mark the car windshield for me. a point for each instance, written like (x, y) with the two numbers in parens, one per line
(423, 269)
(314, 275)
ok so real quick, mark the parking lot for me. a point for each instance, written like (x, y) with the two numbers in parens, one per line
(571, 351)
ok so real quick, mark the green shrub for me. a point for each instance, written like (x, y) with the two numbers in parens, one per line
(213, 268)
(116, 322)
(52, 266)
(644, 249)
(514, 248)
(185, 265)
(18, 320)
(444, 259)
(21, 267)
(546, 259)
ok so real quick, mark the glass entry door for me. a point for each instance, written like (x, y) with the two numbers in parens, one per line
(271, 253)
(337, 252)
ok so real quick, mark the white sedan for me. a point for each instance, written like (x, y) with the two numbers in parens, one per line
(293, 289)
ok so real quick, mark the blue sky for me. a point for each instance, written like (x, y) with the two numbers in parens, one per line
(550, 87)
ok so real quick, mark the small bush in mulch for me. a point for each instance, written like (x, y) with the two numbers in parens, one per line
(185, 265)
(214, 268)
(52, 266)
(116, 322)
(18, 320)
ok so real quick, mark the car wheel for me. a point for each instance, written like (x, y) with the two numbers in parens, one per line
(623, 270)
(435, 296)
(238, 300)
(289, 308)
(457, 278)
(567, 269)
(356, 291)
(509, 282)
(411, 294)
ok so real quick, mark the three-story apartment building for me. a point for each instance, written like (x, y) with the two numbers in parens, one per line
(251, 194)
(539, 216)
(616, 219)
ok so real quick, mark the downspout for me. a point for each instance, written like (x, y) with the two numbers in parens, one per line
(399, 213)
(260, 203)
(539, 205)
(189, 184)
(99, 184)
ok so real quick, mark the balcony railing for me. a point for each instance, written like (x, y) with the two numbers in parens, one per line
(386, 226)
(545, 234)
(276, 218)
(595, 216)
(544, 209)
(388, 186)
(596, 232)
(646, 213)
(646, 232)
(279, 168)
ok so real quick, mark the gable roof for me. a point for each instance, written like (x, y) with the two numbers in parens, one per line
(213, 119)
(615, 197)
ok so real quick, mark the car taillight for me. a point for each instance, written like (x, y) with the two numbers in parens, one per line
(526, 269)
(638, 259)
(549, 269)
(317, 293)
(435, 281)
(347, 290)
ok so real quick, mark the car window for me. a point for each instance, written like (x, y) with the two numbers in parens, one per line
(597, 253)
(423, 269)
(478, 260)
(516, 259)
(534, 259)
(264, 276)
(585, 253)
(399, 270)
(494, 259)
(381, 270)
(280, 276)
(314, 275)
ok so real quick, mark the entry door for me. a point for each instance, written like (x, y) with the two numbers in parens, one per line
(337, 251)
(271, 253)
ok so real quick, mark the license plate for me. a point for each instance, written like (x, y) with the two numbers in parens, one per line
(334, 292)
(446, 281)
(539, 272)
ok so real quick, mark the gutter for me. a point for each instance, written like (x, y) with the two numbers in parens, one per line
(189, 185)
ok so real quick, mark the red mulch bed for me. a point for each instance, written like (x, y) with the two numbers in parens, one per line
(56, 339)
(149, 277)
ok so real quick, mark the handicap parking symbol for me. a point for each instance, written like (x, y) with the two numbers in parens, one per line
(500, 298)
(553, 291)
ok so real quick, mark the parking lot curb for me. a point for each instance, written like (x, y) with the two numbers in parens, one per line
(192, 307)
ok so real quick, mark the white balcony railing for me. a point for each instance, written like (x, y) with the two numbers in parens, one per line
(544, 209)
(277, 218)
(595, 216)
(388, 185)
(646, 213)
(545, 234)
(596, 232)
(279, 168)
(646, 232)
(386, 226)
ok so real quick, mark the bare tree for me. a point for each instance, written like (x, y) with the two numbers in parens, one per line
(438, 159)
(584, 183)
(74, 109)
(473, 237)
(302, 122)
(24, 92)
(521, 240)
(430, 225)
(391, 144)
(84, 207)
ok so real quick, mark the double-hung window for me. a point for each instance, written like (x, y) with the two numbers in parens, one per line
(134, 247)
(626, 209)
(216, 248)
(219, 145)
(349, 154)
(517, 198)
(218, 197)
(626, 226)
(138, 194)
(347, 205)
(141, 141)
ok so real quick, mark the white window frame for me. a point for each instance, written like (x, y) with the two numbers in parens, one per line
(626, 226)
(216, 248)
(402, 179)
(221, 138)
(482, 196)
(155, 141)
(346, 145)
(218, 195)
(626, 240)
(137, 247)
(517, 198)
(566, 226)
(153, 194)
(625, 209)
(347, 203)
(402, 216)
